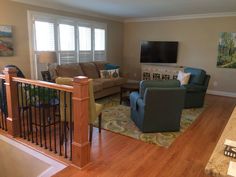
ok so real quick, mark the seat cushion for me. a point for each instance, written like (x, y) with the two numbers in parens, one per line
(90, 70)
(197, 75)
(97, 86)
(106, 83)
(69, 70)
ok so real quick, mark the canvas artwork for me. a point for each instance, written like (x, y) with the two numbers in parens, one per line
(227, 50)
(6, 41)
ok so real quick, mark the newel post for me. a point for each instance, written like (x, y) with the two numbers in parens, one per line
(12, 103)
(80, 145)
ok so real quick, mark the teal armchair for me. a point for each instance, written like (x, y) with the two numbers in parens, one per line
(196, 88)
(157, 107)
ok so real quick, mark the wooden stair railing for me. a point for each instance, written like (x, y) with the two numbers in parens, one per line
(80, 100)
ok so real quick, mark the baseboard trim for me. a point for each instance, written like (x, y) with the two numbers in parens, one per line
(221, 93)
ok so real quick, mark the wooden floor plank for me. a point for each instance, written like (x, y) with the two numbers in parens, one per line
(114, 155)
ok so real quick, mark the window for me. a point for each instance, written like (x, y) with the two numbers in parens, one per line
(67, 52)
(74, 40)
(44, 34)
(67, 37)
(99, 39)
(85, 39)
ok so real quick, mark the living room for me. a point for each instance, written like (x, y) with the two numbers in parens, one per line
(197, 32)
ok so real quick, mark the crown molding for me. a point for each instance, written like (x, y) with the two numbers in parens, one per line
(222, 93)
(182, 17)
(70, 10)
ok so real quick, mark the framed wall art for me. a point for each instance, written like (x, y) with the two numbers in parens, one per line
(6, 41)
(227, 50)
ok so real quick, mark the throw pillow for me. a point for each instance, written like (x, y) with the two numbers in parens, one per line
(109, 74)
(109, 66)
(183, 77)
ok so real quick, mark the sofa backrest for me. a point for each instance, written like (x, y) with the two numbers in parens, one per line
(69, 70)
(90, 70)
(197, 75)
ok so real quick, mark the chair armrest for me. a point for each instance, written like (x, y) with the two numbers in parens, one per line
(135, 100)
(194, 88)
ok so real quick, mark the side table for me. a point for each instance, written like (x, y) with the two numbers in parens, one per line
(129, 86)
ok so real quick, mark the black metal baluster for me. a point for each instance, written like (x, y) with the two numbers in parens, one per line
(71, 125)
(65, 134)
(44, 120)
(5, 106)
(35, 114)
(40, 115)
(27, 111)
(30, 113)
(54, 122)
(22, 109)
(60, 139)
(19, 109)
(49, 118)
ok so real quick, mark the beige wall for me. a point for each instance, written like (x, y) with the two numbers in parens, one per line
(197, 38)
(15, 14)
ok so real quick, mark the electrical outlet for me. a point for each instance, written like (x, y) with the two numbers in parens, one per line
(135, 74)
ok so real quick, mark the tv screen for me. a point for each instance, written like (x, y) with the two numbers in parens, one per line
(159, 52)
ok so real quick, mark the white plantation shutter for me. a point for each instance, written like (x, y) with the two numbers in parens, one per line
(99, 44)
(67, 37)
(67, 51)
(44, 34)
(74, 40)
(99, 37)
(67, 57)
(85, 44)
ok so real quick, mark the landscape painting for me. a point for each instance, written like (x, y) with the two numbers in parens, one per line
(6, 41)
(227, 50)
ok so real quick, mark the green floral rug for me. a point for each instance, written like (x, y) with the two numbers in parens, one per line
(116, 118)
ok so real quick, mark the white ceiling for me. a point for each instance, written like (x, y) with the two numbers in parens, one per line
(134, 9)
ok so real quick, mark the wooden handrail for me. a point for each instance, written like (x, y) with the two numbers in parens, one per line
(39, 83)
(2, 76)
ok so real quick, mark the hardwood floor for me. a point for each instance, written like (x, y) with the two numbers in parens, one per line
(114, 155)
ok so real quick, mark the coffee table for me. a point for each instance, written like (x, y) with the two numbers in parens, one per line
(129, 86)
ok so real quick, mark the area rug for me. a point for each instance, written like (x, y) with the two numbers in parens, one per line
(116, 118)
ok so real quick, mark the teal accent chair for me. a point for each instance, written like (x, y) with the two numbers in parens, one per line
(157, 107)
(196, 88)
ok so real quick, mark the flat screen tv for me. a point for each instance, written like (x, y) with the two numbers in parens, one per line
(159, 52)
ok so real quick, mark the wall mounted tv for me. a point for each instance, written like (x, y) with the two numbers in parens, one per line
(159, 52)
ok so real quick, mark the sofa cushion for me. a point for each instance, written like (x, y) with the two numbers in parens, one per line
(90, 70)
(97, 86)
(109, 66)
(109, 74)
(100, 65)
(69, 70)
(106, 83)
(197, 75)
(183, 77)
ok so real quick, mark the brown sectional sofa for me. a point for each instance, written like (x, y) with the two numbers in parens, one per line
(102, 87)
